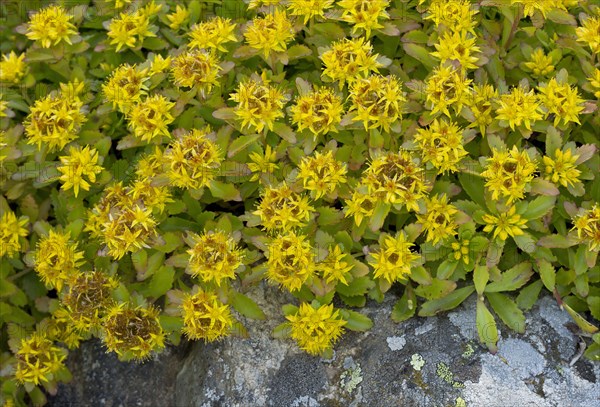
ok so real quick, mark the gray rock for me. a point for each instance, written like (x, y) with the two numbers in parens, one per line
(434, 361)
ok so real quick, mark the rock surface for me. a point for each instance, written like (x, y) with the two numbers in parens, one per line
(422, 362)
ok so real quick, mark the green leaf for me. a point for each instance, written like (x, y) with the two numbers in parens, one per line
(437, 289)
(486, 327)
(594, 304)
(379, 214)
(529, 295)
(547, 274)
(579, 320)
(241, 143)
(508, 311)
(511, 279)
(160, 283)
(358, 286)
(356, 321)
(405, 307)
(420, 275)
(224, 191)
(525, 242)
(593, 352)
(474, 187)
(481, 276)
(557, 241)
(539, 207)
(451, 301)
(246, 306)
(282, 331)
(446, 268)
(421, 54)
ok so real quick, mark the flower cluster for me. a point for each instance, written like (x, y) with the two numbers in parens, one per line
(38, 359)
(205, 317)
(212, 34)
(348, 60)
(259, 104)
(319, 111)
(441, 145)
(508, 173)
(55, 120)
(309, 9)
(377, 101)
(506, 224)
(50, 26)
(131, 28)
(270, 33)
(57, 260)
(149, 119)
(78, 164)
(587, 225)
(282, 208)
(394, 259)
(12, 67)
(12, 229)
(291, 261)
(364, 14)
(196, 69)
(133, 332)
(125, 87)
(439, 219)
(321, 173)
(561, 100)
(316, 329)
(214, 257)
(562, 169)
(519, 107)
(192, 160)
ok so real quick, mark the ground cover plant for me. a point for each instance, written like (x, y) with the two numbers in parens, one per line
(161, 158)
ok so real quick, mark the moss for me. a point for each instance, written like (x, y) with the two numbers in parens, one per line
(444, 373)
(351, 378)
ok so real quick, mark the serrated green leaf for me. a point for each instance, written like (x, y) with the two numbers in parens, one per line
(547, 274)
(437, 289)
(481, 276)
(510, 280)
(486, 327)
(246, 306)
(356, 321)
(451, 301)
(508, 311)
(539, 207)
(529, 295)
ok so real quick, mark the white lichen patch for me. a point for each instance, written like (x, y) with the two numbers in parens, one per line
(396, 342)
(305, 401)
(417, 362)
(351, 378)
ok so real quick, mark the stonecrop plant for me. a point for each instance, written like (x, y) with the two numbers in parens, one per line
(160, 159)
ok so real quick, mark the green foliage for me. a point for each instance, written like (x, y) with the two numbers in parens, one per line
(458, 157)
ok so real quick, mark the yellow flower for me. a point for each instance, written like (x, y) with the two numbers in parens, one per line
(214, 257)
(539, 63)
(377, 100)
(254, 4)
(291, 261)
(155, 197)
(446, 87)
(309, 8)
(11, 231)
(364, 14)
(319, 111)
(519, 108)
(212, 34)
(335, 267)
(88, 298)
(505, 224)
(3, 106)
(393, 260)
(316, 329)
(193, 160)
(454, 15)
(160, 64)
(480, 104)
(589, 33)
(205, 317)
(132, 333)
(563, 168)
(561, 100)
(270, 33)
(396, 178)
(587, 224)
(198, 69)
(12, 67)
(347, 60)
(595, 82)
(125, 86)
(283, 209)
(60, 328)
(57, 260)
(462, 251)
(50, 26)
(178, 17)
(150, 165)
(457, 46)
(54, 121)
(362, 205)
(38, 360)
(508, 173)
(531, 6)
(123, 218)
(442, 145)
(130, 29)
(321, 173)
(259, 104)
(439, 219)
(149, 118)
(262, 164)
(78, 164)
